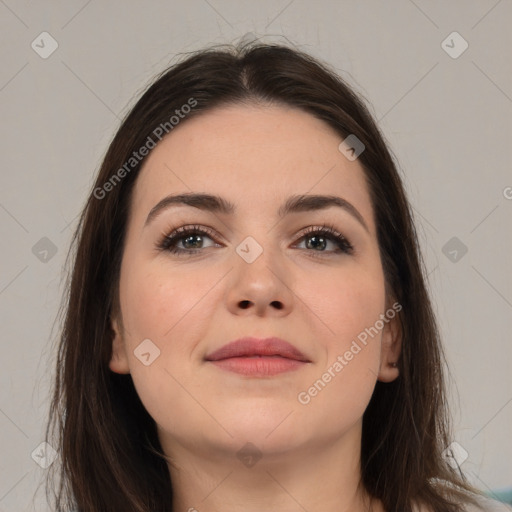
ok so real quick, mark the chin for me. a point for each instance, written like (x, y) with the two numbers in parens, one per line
(274, 427)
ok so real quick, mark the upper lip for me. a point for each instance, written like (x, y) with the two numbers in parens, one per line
(248, 346)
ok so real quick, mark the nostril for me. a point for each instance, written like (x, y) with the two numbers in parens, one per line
(244, 304)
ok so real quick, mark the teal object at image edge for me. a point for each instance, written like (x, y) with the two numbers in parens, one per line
(503, 495)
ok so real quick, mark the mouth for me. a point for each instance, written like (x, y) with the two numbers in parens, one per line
(258, 357)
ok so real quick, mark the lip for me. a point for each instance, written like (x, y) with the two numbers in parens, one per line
(258, 357)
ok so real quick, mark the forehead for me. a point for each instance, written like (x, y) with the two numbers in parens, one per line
(254, 156)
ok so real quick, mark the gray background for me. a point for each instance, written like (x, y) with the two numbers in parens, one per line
(448, 121)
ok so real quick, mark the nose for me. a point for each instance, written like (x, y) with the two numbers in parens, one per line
(260, 288)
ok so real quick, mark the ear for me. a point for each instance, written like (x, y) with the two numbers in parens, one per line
(118, 361)
(391, 346)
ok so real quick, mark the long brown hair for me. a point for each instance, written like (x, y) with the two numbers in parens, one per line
(110, 455)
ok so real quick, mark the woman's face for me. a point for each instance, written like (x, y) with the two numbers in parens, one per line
(258, 274)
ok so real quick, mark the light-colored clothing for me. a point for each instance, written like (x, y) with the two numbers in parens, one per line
(488, 505)
(484, 505)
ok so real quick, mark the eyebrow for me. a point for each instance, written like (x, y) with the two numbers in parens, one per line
(217, 204)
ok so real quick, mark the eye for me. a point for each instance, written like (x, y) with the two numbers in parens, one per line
(190, 236)
(317, 238)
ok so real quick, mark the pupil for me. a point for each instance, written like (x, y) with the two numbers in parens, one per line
(192, 237)
(316, 238)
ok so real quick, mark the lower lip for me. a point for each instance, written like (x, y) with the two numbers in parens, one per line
(259, 366)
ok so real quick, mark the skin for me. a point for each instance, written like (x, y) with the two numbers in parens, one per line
(317, 299)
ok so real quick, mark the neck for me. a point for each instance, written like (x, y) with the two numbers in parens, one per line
(313, 477)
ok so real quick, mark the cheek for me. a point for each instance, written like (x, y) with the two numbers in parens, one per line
(348, 302)
(168, 307)
(160, 302)
(350, 305)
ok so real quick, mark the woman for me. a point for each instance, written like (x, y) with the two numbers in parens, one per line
(248, 326)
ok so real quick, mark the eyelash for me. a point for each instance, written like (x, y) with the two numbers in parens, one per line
(167, 242)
